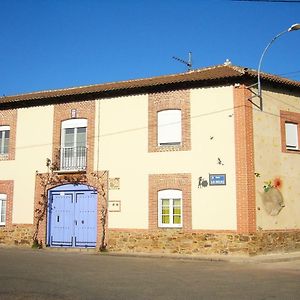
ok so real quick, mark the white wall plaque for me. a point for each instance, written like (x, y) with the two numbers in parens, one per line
(114, 206)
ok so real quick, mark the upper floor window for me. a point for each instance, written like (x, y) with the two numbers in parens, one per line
(290, 131)
(3, 199)
(291, 136)
(4, 140)
(169, 121)
(170, 208)
(73, 144)
(169, 130)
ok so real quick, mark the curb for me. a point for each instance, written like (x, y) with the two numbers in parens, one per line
(263, 258)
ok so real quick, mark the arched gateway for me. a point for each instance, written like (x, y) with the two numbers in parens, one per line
(72, 216)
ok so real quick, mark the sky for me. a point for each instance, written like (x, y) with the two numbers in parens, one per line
(53, 44)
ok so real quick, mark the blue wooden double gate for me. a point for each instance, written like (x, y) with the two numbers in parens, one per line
(72, 216)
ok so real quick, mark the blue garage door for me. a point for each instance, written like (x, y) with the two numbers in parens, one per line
(72, 216)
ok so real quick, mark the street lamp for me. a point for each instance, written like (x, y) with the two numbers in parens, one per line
(259, 94)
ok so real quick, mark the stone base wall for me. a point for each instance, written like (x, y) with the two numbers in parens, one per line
(195, 243)
(16, 235)
(178, 242)
(275, 241)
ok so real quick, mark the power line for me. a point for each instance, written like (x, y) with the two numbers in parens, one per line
(147, 127)
(274, 1)
(283, 102)
(293, 72)
(132, 129)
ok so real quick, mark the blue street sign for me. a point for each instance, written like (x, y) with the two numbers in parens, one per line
(217, 179)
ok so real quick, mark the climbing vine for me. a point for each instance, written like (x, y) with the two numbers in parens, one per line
(51, 179)
(99, 184)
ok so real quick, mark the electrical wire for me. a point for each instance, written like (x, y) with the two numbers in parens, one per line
(283, 102)
(132, 129)
(274, 1)
(230, 109)
(293, 72)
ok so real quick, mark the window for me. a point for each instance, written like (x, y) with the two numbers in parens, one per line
(4, 140)
(290, 131)
(73, 144)
(3, 199)
(291, 136)
(169, 127)
(170, 208)
(169, 121)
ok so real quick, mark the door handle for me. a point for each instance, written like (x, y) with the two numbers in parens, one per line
(75, 222)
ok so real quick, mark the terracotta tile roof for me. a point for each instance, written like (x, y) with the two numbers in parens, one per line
(210, 74)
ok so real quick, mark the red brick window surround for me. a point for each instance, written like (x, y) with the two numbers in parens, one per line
(170, 101)
(8, 121)
(163, 182)
(72, 111)
(92, 181)
(290, 131)
(6, 188)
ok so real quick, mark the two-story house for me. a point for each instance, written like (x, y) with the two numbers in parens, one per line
(183, 163)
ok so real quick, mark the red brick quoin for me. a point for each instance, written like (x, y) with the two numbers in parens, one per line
(244, 155)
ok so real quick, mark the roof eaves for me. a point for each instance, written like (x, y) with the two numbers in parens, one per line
(194, 75)
(207, 75)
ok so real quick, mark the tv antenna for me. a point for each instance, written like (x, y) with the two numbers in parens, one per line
(188, 63)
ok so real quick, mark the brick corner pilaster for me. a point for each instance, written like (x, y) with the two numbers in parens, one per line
(244, 153)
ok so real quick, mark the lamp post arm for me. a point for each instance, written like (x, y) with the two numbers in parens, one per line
(260, 62)
(259, 92)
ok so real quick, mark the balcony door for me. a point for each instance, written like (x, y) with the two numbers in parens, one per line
(73, 144)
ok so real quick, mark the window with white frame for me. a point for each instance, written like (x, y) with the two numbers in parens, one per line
(169, 130)
(291, 136)
(170, 208)
(73, 144)
(4, 139)
(3, 199)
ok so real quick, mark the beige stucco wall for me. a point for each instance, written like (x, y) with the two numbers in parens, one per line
(33, 146)
(271, 162)
(124, 152)
(213, 207)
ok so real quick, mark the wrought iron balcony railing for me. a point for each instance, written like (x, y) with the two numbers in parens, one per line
(73, 158)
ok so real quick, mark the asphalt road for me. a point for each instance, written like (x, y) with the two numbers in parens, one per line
(40, 274)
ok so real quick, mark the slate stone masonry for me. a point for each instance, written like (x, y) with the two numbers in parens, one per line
(18, 235)
(195, 243)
